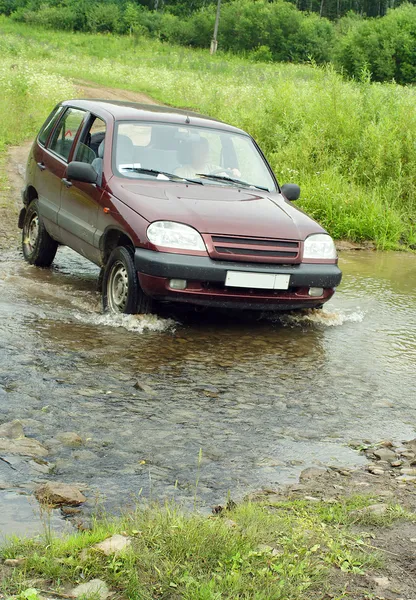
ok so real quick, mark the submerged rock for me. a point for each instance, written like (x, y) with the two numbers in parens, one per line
(12, 430)
(69, 438)
(22, 446)
(56, 493)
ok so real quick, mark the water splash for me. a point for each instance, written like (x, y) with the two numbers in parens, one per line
(134, 323)
(319, 317)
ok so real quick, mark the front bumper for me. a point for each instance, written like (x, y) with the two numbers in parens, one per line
(206, 281)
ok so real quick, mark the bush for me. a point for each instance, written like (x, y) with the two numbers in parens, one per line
(103, 18)
(261, 54)
(289, 34)
(387, 47)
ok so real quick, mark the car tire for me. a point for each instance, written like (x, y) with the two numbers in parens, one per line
(121, 289)
(37, 245)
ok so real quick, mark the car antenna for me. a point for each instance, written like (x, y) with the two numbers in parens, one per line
(187, 120)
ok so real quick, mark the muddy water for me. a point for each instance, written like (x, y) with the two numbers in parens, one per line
(233, 403)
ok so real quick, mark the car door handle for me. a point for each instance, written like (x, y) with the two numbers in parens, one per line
(66, 182)
(41, 166)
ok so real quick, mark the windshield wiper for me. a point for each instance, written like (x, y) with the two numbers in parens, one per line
(155, 172)
(232, 180)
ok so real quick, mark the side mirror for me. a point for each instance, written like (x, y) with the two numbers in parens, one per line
(81, 171)
(291, 191)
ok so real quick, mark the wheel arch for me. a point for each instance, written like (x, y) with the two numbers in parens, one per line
(29, 194)
(111, 239)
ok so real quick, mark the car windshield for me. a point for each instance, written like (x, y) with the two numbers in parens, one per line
(183, 152)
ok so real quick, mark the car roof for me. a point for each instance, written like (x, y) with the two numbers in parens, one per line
(132, 111)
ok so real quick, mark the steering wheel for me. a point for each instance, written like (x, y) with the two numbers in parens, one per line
(226, 170)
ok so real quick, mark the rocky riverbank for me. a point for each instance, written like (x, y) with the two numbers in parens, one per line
(385, 519)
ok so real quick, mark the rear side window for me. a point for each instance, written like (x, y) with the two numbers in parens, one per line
(49, 124)
(66, 131)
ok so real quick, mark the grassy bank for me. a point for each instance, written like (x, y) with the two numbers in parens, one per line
(282, 550)
(350, 145)
(28, 92)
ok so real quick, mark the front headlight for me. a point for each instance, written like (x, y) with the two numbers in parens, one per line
(319, 246)
(175, 235)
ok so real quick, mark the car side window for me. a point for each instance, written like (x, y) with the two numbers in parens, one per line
(91, 146)
(64, 134)
(49, 124)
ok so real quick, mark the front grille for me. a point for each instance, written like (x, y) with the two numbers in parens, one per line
(254, 249)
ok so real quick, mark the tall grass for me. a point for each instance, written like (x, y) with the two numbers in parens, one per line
(349, 144)
(28, 93)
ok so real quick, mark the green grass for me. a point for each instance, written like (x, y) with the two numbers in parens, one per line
(349, 144)
(286, 550)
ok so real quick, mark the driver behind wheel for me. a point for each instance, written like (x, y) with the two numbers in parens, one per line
(194, 159)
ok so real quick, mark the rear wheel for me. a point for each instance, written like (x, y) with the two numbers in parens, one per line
(120, 288)
(38, 247)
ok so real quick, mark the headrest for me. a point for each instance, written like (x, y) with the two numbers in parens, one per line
(100, 150)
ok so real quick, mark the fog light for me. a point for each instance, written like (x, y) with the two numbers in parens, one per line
(178, 284)
(316, 291)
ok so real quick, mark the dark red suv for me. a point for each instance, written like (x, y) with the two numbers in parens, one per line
(173, 206)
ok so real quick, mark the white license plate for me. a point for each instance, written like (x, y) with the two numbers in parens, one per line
(263, 281)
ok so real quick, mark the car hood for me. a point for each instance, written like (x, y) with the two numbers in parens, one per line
(217, 209)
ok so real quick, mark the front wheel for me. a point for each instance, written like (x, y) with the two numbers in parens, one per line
(37, 245)
(120, 287)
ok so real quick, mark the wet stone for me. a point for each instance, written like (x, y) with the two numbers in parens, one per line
(56, 493)
(311, 473)
(12, 430)
(408, 471)
(84, 455)
(406, 478)
(385, 454)
(69, 438)
(23, 447)
(375, 470)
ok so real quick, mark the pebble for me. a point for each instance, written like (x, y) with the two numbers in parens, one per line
(375, 470)
(57, 493)
(14, 562)
(408, 471)
(95, 588)
(12, 430)
(382, 582)
(113, 544)
(408, 454)
(311, 473)
(376, 509)
(384, 454)
(69, 438)
(406, 478)
(23, 447)
(397, 463)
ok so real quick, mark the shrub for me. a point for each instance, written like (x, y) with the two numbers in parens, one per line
(103, 18)
(261, 54)
(387, 47)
